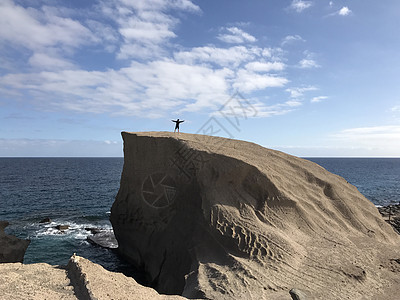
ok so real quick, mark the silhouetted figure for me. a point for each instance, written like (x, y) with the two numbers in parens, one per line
(177, 122)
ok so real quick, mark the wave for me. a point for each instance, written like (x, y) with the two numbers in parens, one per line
(78, 231)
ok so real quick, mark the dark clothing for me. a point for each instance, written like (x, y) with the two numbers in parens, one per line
(177, 122)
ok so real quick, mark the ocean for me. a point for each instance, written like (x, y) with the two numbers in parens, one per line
(79, 192)
(378, 179)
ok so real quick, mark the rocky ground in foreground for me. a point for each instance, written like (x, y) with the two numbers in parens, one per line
(81, 279)
(391, 214)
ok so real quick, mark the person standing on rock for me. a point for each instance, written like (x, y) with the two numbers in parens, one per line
(177, 122)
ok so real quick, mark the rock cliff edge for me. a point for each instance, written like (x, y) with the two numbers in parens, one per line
(208, 217)
(12, 249)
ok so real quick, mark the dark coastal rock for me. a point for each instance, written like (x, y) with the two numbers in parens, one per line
(62, 227)
(391, 214)
(214, 218)
(45, 220)
(93, 230)
(12, 249)
(105, 239)
(3, 225)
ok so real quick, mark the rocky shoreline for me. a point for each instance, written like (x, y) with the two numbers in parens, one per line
(391, 214)
(83, 279)
(12, 249)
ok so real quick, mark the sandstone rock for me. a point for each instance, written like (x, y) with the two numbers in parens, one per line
(12, 249)
(34, 282)
(82, 279)
(92, 281)
(216, 218)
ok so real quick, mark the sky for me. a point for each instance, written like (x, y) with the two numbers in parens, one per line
(310, 78)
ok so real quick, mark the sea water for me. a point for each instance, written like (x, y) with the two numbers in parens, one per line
(79, 192)
(378, 179)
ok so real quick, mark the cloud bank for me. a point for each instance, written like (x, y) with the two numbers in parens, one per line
(149, 73)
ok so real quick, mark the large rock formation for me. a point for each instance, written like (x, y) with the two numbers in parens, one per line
(12, 249)
(208, 217)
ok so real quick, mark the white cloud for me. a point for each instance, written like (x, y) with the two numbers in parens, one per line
(247, 81)
(395, 108)
(161, 5)
(145, 25)
(109, 36)
(154, 80)
(37, 29)
(226, 57)
(300, 5)
(278, 109)
(293, 103)
(257, 66)
(381, 139)
(193, 80)
(308, 64)
(236, 36)
(291, 39)
(388, 131)
(146, 31)
(376, 141)
(330, 3)
(298, 92)
(318, 99)
(140, 89)
(344, 11)
(141, 51)
(335, 151)
(46, 61)
(50, 35)
(50, 148)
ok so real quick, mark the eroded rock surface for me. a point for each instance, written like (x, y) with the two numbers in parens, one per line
(92, 281)
(12, 249)
(208, 217)
(34, 282)
(81, 279)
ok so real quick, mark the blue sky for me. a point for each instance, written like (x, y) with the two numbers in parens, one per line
(310, 78)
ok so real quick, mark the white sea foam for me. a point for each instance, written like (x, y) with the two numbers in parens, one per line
(75, 230)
